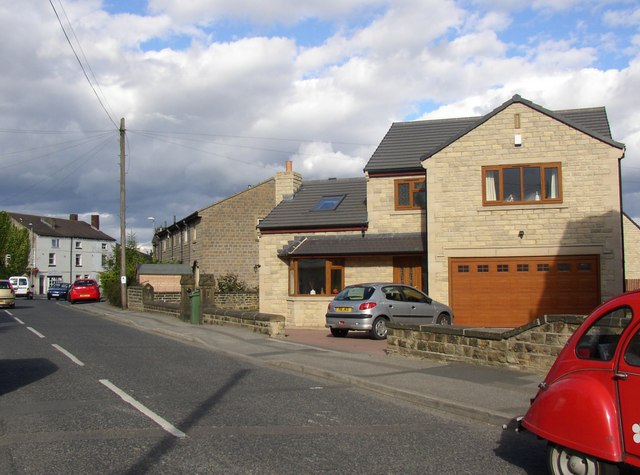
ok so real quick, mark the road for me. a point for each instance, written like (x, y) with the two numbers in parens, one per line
(84, 394)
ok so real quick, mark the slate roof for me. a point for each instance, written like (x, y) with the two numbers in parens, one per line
(407, 144)
(353, 245)
(164, 269)
(60, 228)
(297, 212)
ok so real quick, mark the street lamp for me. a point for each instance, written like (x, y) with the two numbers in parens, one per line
(153, 224)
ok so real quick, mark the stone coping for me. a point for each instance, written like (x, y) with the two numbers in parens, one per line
(489, 333)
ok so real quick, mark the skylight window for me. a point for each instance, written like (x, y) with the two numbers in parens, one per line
(328, 203)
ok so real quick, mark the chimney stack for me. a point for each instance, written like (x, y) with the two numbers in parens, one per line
(73, 217)
(95, 221)
(287, 182)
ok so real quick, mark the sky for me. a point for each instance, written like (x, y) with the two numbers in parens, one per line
(218, 94)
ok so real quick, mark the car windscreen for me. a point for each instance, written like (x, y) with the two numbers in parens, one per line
(356, 293)
(5, 285)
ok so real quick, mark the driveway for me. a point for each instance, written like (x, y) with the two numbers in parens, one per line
(355, 342)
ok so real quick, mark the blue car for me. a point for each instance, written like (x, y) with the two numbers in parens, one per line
(58, 291)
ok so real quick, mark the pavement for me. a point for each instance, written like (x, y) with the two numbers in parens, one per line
(488, 394)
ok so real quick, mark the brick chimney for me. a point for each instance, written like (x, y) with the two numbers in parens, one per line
(95, 221)
(73, 217)
(287, 182)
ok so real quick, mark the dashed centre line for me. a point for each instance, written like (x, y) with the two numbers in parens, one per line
(68, 355)
(167, 426)
(36, 332)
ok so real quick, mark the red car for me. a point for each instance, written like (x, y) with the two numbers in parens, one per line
(84, 289)
(588, 406)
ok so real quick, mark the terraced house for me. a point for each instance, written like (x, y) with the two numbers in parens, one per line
(505, 217)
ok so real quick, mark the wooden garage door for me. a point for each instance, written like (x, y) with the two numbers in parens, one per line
(513, 291)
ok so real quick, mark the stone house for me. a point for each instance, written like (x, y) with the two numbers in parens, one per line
(222, 238)
(63, 250)
(504, 217)
(631, 232)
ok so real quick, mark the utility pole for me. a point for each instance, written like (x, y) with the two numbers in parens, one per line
(123, 231)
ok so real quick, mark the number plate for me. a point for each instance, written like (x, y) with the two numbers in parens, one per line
(343, 309)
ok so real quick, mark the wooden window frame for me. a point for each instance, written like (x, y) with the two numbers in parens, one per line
(412, 182)
(502, 201)
(329, 266)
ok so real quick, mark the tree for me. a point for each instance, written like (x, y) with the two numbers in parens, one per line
(14, 247)
(110, 277)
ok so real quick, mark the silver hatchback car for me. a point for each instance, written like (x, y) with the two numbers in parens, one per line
(370, 306)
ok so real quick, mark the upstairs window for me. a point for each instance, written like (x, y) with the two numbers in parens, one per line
(411, 194)
(525, 184)
(55, 243)
(78, 244)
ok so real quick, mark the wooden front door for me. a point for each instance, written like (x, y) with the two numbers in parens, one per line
(408, 270)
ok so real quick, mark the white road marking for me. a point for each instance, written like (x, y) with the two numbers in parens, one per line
(35, 331)
(18, 320)
(170, 428)
(68, 355)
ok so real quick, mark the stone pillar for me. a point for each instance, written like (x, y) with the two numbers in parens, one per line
(147, 293)
(187, 285)
(207, 289)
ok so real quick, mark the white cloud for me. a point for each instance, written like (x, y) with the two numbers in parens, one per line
(208, 117)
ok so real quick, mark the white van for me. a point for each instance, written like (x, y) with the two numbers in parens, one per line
(21, 286)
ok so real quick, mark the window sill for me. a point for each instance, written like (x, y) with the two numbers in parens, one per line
(523, 207)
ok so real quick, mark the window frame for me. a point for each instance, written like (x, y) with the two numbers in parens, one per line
(328, 202)
(330, 265)
(502, 201)
(412, 182)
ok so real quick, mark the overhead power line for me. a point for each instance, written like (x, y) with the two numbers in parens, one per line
(84, 71)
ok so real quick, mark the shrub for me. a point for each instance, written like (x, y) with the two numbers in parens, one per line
(230, 283)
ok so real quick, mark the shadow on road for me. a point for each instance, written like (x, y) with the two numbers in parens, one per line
(15, 374)
(167, 443)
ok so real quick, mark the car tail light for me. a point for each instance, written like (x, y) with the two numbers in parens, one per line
(367, 305)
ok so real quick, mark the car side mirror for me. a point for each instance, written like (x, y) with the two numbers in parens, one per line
(429, 300)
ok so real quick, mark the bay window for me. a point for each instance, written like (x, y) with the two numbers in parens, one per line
(317, 276)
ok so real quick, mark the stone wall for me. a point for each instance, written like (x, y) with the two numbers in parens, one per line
(272, 325)
(134, 298)
(237, 300)
(531, 347)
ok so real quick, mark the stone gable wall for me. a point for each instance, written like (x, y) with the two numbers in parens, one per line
(586, 222)
(227, 238)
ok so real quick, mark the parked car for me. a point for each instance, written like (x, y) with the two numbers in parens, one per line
(84, 289)
(58, 290)
(369, 307)
(7, 294)
(587, 406)
(21, 286)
